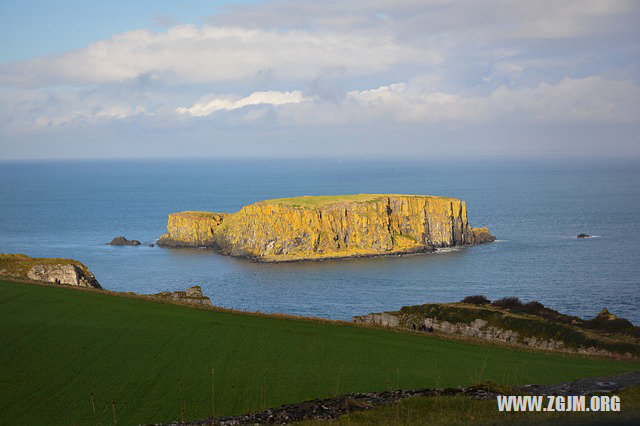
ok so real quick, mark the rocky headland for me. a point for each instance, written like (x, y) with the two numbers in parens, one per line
(326, 227)
(512, 322)
(191, 295)
(47, 270)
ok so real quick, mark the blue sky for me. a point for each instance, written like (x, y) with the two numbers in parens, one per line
(34, 27)
(296, 78)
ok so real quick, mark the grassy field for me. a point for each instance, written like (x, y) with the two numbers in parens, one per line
(323, 200)
(70, 356)
(464, 410)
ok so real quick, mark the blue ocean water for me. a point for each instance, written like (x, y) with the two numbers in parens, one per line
(72, 208)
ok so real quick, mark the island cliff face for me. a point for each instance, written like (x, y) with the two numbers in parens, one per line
(307, 228)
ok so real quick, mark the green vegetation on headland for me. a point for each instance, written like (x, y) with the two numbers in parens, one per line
(510, 321)
(72, 356)
(18, 265)
(323, 200)
(326, 200)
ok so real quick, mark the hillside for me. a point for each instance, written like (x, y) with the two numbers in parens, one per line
(510, 321)
(72, 356)
(324, 227)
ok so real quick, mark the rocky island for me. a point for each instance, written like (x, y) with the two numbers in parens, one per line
(327, 227)
(122, 241)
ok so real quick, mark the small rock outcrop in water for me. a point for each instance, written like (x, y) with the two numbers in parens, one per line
(583, 236)
(48, 270)
(122, 241)
(324, 227)
(191, 295)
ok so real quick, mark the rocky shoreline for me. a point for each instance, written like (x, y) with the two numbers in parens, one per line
(526, 325)
(191, 295)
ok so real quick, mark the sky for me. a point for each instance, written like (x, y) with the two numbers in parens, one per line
(428, 79)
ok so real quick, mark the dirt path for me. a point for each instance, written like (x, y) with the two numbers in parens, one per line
(332, 408)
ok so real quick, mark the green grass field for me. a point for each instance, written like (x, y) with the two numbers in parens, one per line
(324, 200)
(465, 410)
(70, 356)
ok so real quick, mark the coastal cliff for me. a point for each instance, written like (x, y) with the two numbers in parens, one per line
(48, 270)
(522, 324)
(307, 228)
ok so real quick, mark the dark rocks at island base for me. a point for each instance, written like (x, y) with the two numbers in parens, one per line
(47, 270)
(122, 241)
(191, 295)
(584, 236)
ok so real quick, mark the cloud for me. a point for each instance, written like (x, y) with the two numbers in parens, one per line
(207, 107)
(283, 66)
(591, 99)
(208, 54)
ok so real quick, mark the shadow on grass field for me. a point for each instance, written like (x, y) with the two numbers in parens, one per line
(71, 356)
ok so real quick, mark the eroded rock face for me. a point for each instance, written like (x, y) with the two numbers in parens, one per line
(481, 329)
(606, 315)
(281, 230)
(63, 274)
(191, 295)
(48, 270)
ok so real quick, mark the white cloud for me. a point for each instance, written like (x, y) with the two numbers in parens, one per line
(188, 54)
(352, 64)
(418, 101)
(83, 116)
(590, 99)
(212, 104)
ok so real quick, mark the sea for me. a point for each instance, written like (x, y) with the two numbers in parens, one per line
(535, 209)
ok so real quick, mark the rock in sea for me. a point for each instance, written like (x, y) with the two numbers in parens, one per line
(122, 241)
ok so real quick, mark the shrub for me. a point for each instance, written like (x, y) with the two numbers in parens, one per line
(612, 326)
(508, 303)
(476, 300)
(534, 308)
